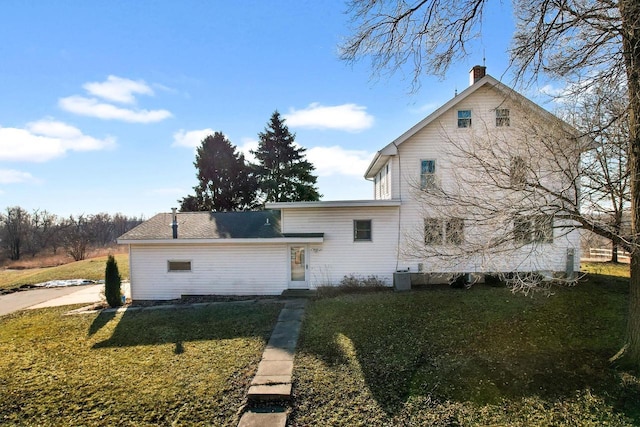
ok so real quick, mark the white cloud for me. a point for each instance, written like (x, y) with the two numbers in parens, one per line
(93, 108)
(247, 145)
(191, 138)
(347, 117)
(12, 176)
(118, 89)
(45, 140)
(336, 160)
(114, 89)
(552, 91)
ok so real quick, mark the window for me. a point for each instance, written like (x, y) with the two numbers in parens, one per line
(454, 231)
(518, 171)
(179, 265)
(464, 118)
(533, 229)
(502, 117)
(383, 179)
(362, 230)
(433, 231)
(438, 231)
(427, 174)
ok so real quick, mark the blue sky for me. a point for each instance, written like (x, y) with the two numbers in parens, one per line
(102, 102)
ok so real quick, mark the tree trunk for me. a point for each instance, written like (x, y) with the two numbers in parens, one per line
(614, 253)
(630, 13)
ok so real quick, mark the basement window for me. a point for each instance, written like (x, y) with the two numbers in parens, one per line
(179, 266)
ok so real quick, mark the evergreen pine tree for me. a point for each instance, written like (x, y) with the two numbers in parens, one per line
(225, 180)
(283, 173)
(112, 283)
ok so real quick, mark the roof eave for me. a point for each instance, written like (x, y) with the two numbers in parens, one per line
(377, 203)
(254, 241)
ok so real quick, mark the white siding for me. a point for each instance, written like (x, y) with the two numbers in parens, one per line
(215, 269)
(430, 143)
(339, 254)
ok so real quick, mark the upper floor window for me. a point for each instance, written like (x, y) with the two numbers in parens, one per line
(438, 231)
(502, 117)
(362, 230)
(518, 171)
(464, 118)
(383, 179)
(427, 174)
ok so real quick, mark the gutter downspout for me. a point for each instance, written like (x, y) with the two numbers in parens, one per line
(399, 207)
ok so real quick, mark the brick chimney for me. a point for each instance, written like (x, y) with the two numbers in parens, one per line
(476, 73)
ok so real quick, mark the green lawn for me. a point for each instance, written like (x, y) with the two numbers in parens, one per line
(163, 367)
(474, 357)
(92, 269)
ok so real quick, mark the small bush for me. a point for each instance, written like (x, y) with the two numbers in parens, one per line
(493, 280)
(459, 282)
(353, 284)
(112, 282)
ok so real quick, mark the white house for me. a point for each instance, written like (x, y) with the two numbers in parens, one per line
(425, 216)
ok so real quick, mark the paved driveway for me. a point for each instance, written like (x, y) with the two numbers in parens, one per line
(36, 297)
(52, 297)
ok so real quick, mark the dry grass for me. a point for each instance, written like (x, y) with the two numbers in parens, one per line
(92, 269)
(60, 258)
(605, 269)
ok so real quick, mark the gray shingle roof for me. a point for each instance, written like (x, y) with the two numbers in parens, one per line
(210, 225)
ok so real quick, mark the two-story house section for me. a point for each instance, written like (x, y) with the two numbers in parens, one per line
(484, 183)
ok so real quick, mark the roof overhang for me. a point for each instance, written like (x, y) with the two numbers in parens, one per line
(288, 238)
(335, 204)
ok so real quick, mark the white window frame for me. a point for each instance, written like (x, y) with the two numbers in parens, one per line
(356, 229)
(463, 121)
(442, 232)
(427, 179)
(533, 229)
(503, 117)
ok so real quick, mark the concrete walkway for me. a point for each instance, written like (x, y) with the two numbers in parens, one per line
(273, 380)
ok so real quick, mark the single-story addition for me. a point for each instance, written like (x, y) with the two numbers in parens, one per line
(303, 245)
(300, 246)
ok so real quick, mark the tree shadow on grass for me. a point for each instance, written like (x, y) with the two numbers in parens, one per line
(464, 351)
(180, 325)
(102, 319)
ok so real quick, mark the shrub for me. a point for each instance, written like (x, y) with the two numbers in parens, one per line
(112, 283)
(352, 284)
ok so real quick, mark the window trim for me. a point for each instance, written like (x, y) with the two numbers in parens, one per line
(431, 183)
(467, 121)
(443, 235)
(503, 120)
(356, 229)
(517, 172)
(179, 270)
(527, 230)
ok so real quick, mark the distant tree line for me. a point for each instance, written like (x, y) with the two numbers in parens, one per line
(27, 234)
(227, 182)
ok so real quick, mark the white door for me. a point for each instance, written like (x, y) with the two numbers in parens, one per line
(298, 267)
